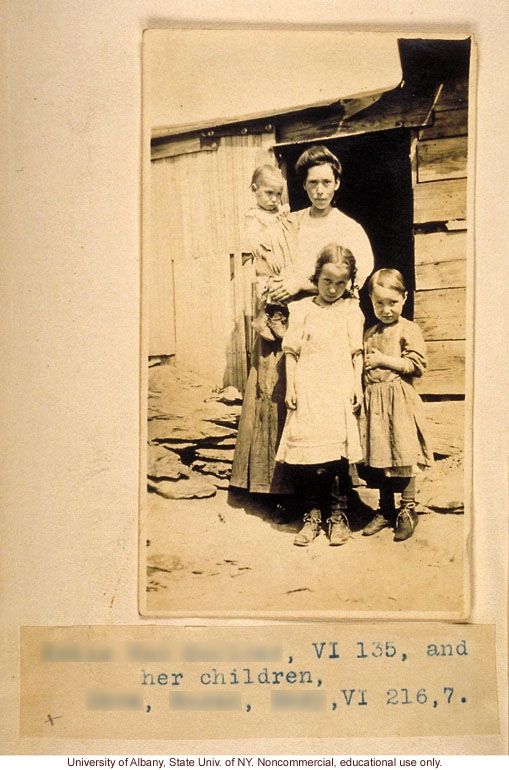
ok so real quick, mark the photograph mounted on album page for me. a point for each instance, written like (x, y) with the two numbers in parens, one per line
(306, 362)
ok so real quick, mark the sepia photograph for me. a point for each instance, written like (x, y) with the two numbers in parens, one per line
(307, 324)
(253, 294)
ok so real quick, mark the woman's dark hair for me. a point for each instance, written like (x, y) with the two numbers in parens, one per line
(389, 279)
(336, 255)
(317, 155)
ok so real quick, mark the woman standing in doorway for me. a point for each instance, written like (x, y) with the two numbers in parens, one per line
(287, 257)
(293, 245)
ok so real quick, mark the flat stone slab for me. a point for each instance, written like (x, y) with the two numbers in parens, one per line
(226, 443)
(194, 486)
(175, 445)
(218, 469)
(187, 428)
(164, 464)
(212, 411)
(222, 455)
(229, 395)
(182, 407)
(442, 487)
(218, 481)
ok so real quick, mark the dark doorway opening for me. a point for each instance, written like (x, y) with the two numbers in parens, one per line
(376, 191)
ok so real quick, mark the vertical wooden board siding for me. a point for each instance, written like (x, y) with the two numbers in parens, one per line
(446, 123)
(158, 269)
(219, 275)
(230, 374)
(232, 199)
(190, 319)
(442, 159)
(248, 280)
(446, 425)
(440, 201)
(202, 201)
(240, 335)
(193, 305)
(445, 374)
(225, 211)
(431, 248)
(441, 275)
(440, 313)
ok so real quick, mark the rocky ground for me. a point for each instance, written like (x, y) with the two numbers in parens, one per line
(210, 551)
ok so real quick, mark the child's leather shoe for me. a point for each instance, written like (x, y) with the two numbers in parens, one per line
(310, 530)
(377, 523)
(339, 529)
(406, 522)
(278, 325)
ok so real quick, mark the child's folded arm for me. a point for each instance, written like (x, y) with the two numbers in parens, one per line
(414, 363)
(410, 366)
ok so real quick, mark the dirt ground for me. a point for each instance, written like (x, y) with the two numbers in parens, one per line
(225, 554)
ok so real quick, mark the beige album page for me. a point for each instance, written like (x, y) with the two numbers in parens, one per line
(150, 605)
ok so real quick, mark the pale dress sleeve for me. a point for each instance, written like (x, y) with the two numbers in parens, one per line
(361, 249)
(258, 236)
(252, 231)
(355, 322)
(292, 341)
(269, 250)
(413, 350)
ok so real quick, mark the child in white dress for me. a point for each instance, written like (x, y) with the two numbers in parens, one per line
(323, 349)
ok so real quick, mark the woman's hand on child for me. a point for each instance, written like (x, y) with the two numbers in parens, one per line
(291, 397)
(282, 289)
(374, 359)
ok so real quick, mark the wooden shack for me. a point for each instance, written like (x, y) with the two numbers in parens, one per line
(404, 158)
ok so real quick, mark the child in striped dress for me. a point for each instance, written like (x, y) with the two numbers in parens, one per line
(395, 440)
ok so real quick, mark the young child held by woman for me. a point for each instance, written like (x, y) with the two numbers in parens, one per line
(323, 352)
(395, 441)
(263, 411)
(267, 185)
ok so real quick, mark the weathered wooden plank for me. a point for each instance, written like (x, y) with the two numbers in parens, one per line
(175, 147)
(440, 247)
(441, 275)
(446, 123)
(454, 94)
(440, 313)
(446, 369)
(440, 201)
(248, 281)
(158, 270)
(446, 425)
(240, 329)
(333, 127)
(442, 159)
(395, 109)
